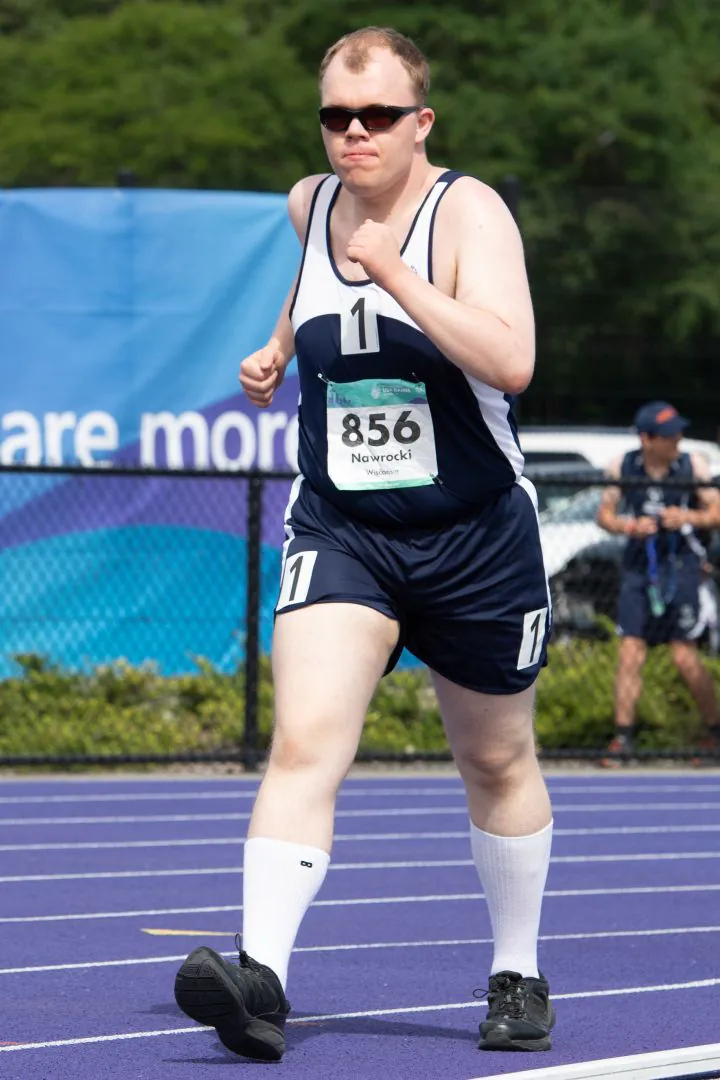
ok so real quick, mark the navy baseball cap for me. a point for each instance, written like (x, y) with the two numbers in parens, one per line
(659, 418)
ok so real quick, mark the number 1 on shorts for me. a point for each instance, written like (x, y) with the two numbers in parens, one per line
(297, 574)
(534, 626)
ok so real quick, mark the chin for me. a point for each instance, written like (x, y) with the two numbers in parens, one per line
(361, 177)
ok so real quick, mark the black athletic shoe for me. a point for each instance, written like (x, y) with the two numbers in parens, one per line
(519, 1016)
(244, 1002)
(619, 750)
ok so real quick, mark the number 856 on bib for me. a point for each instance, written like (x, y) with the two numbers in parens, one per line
(379, 435)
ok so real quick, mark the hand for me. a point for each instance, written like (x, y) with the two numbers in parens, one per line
(643, 526)
(262, 372)
(673, 517)
(375, 247)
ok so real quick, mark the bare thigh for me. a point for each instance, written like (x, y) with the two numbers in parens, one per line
(327, 660)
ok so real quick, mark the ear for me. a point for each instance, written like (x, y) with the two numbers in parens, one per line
(425, 121)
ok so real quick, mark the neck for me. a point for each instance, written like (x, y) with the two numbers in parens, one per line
(653, 465)
(393, 200)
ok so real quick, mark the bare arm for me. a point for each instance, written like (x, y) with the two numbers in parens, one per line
(299, 203)
(607, 515)
(488, 328)
(707, 515)
(263, 371)
(283, 332)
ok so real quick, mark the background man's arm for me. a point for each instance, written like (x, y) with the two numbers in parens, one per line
(707, 515)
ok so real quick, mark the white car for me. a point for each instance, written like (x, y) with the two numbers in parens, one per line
(597, 447)
(568, 526)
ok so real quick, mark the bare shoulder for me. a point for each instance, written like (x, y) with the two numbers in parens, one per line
(470, 202)
(612, 471)
(700, 467)
(300, 199)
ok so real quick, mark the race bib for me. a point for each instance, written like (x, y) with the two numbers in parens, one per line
(380, 435)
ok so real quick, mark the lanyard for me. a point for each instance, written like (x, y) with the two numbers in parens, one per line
(654, 569)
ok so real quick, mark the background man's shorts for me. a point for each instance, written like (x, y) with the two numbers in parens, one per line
(681, 621)
(471, 597)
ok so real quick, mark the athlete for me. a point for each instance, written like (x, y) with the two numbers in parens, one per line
(410, 524)
(663, 562)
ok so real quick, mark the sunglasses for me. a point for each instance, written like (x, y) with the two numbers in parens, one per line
(372, 117)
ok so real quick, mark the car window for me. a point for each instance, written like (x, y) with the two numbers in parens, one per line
(581, 506)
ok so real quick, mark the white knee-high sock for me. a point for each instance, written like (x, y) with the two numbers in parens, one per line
(513, 871)
(280, 882)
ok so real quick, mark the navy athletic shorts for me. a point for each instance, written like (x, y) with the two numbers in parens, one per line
(471, 597)
(682, 612)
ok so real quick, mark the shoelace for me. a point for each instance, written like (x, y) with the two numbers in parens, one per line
(252, 965)
(505, 996)
(245, 960)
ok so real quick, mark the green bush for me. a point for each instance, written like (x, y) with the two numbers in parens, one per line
(575, 699)
(119, 709)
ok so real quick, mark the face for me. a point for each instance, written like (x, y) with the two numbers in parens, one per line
(369, 162)
(664, 448)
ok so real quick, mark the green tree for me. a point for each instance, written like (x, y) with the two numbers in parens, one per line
(606, 110)
(182, 94)
(607, 113)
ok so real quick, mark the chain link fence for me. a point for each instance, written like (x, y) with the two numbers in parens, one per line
(136, 618)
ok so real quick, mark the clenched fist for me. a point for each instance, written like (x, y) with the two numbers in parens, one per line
(643, 527)
(262, 372)
(375, 247)
(674, 517)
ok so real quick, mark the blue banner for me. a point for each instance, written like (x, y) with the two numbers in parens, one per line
(124, 316)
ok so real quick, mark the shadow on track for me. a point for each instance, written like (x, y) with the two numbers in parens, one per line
(301, 1033)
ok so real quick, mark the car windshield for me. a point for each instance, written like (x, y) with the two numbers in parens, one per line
(571, 509)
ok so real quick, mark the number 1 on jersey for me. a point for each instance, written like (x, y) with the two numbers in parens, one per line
(359, 329)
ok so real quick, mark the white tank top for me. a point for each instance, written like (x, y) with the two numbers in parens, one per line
(390, 430)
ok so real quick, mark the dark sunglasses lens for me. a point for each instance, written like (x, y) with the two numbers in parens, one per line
(335, 119)
(378, 119)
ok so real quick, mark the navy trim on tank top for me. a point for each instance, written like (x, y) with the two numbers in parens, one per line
(364, 282)
(449, 177)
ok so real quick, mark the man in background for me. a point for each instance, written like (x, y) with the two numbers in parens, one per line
(660, 513)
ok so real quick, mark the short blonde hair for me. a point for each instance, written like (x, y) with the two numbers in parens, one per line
(356, 47)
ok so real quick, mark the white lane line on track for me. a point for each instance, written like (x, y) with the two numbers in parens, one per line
(627, 890)
(324, 1017)
(386, 792)
(442, 943)
(222, 841)
(406, 811)
(683, 1064)
(422, 864)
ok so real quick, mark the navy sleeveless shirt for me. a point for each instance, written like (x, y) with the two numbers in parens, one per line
(390, 431)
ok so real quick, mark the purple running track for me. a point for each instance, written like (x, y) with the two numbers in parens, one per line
(382, 981)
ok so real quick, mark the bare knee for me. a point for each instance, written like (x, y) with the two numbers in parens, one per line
(633, 652)
(685, 657)
(499, 765)
(294, 753)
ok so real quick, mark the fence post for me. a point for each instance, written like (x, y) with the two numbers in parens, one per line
(250, 748)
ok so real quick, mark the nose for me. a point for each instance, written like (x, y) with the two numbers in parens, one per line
(356, 130)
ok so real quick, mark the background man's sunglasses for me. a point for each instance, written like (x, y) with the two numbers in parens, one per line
(372, 117)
